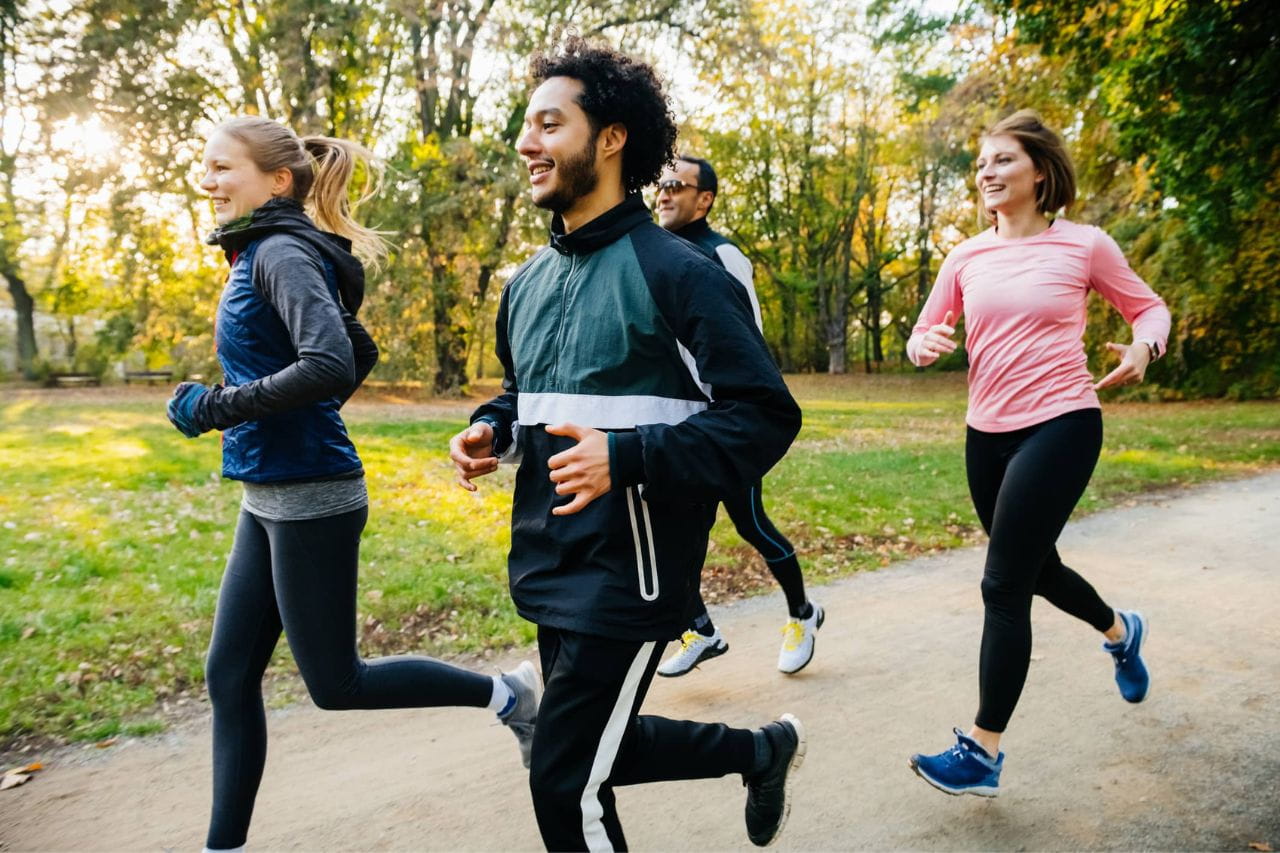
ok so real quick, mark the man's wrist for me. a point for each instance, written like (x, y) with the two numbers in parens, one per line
(500, 440)
(626, 458)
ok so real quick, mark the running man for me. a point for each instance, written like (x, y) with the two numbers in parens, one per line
(638, 394)
(686, 193)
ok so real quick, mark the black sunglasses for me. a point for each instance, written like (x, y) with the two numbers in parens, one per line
(674, 185)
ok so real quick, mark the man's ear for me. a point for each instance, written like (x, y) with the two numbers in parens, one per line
(612, 138)
(705, 199)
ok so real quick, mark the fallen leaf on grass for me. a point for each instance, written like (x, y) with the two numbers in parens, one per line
(103, 744)
(1260, 846)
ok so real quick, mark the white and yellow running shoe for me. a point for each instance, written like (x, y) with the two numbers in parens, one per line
(694, 649)
(799, 636)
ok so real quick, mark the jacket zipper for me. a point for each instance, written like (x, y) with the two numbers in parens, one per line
(564, 299)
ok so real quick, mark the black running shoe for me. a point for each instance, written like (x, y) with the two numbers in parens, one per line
(769, 792)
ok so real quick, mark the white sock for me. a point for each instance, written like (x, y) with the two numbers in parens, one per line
(501, 697)
(1124, 628)
(239, 849)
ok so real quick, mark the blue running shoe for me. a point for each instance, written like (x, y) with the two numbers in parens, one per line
(965, 768)
(1131, 672)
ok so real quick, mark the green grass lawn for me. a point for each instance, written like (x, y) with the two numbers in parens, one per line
(114, 529)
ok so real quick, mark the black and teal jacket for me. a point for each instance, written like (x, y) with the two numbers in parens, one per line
(624, 327)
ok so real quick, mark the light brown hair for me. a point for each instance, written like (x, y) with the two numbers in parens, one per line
(1048, 154)
(322, 167)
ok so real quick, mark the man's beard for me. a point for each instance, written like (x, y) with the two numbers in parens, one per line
(577, 178)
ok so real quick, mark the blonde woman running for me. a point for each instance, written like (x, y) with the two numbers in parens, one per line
(292, 352)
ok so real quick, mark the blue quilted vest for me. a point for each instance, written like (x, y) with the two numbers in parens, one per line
(309, 443)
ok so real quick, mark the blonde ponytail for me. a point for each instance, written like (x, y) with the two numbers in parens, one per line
(329, 202)
(322, 168)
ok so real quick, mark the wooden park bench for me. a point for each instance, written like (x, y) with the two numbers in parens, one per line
(151, 377)
(72, 380)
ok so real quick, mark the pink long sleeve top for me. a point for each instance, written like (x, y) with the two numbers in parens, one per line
(1024, 304)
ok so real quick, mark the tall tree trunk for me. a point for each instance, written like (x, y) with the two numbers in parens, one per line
(866, 347)
(787, 297)
(875, 331)
(873, 276)
(833, 316)
(72, 342)
(450, 337)
(924, 230)
(481, 339)
(487, 270)
(24, 308)
(837, 345)
(924, 227)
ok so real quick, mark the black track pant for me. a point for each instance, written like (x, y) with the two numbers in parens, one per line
(590, 739)
(300, 575)
(746, 511)
(1024, 486)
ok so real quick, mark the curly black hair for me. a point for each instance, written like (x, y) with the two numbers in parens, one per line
(617, 89)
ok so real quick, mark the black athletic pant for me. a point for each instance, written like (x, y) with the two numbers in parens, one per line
(746, 511)
(1024, 486)
(300, 575)
(590, 739)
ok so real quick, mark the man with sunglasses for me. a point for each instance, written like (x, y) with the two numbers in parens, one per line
(686, 193)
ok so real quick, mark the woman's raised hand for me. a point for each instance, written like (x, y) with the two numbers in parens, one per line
(1134, 359)
(937, 341)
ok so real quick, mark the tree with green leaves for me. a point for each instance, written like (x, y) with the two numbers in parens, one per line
(12, 235)
(1182, 102)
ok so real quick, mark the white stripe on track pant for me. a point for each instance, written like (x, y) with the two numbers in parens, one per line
(590, 738)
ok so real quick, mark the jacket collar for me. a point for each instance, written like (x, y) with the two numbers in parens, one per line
(695, 230)
(601, 231)
(277, 214)
(286, 216)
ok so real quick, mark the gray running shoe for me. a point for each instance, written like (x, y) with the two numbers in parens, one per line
(526, 684)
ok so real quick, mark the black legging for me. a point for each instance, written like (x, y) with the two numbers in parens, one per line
(1024, 486)
(746, 511)
(302, 575)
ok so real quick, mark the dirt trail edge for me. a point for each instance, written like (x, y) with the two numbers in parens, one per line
(1197, 766)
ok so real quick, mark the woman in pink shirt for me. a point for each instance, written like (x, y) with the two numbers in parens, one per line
(1034, 422)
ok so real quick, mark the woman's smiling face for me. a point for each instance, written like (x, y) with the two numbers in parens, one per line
(1007, 178)
(234, 182)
